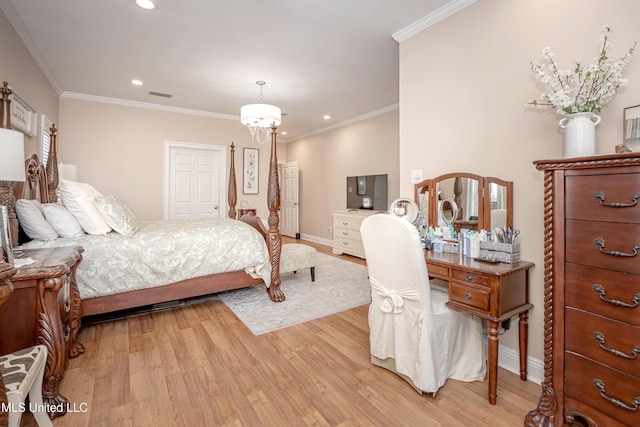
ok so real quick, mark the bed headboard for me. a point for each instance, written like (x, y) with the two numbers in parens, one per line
(35, 185)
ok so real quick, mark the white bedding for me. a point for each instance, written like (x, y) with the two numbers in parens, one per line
(164, 252)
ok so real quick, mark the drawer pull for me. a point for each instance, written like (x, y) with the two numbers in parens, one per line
(599, 337)
(344, 233)
(468, 296)
(599, 290)
(599, 243)
(599, 196)
(599, 385)
(469, 278)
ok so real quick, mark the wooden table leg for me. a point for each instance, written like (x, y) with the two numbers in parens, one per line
(524, 341)
(493, 361)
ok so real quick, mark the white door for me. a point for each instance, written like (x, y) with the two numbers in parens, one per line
(194, 181)
(289, 204)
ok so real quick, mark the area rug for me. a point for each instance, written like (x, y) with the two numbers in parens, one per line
(340, 285)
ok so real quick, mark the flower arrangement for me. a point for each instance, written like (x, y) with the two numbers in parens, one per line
(582, 89)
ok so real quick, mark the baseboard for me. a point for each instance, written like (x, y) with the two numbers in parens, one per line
(509, 359)
(315, 239)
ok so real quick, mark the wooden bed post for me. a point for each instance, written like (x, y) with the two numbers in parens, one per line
(52, 166)
(232, 197)
(274, 240)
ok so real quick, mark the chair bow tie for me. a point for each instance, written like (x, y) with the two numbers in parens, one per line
(393, 301)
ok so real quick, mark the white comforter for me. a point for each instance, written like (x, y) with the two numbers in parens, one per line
(164, 252)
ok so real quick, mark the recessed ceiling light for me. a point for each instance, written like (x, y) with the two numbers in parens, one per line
(146, 4)
(283, 133)
(326, 117)
(136, 82)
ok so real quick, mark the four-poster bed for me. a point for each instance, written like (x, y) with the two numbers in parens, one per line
(42, 182)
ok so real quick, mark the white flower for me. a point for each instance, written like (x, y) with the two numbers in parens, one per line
(581, 89)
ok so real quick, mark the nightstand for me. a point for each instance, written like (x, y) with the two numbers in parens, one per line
(44, 308)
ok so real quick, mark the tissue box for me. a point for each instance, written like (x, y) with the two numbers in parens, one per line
(503, 252)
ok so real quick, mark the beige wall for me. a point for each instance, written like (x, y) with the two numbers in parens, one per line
(18, 67)
(463, 87)
(120, 149)
(325, 160)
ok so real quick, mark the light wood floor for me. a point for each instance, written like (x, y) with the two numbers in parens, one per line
(200, 366)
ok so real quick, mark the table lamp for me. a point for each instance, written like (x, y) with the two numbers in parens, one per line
(11, 170)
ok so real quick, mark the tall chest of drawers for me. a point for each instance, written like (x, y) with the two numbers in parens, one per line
(591, 292)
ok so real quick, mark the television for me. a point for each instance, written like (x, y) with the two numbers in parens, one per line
(368, 192)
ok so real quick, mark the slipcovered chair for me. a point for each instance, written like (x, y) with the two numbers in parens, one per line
(412, 332)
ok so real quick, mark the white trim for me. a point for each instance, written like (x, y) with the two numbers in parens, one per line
(168, 145)
(431, 19)
(509, 359)
(356, 119)
(146, 105)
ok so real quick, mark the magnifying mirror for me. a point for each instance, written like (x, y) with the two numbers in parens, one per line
(405, 208)
(448, 211)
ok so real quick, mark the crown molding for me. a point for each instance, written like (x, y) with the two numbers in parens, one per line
(431, 19)
(356, 119)
(146, 105)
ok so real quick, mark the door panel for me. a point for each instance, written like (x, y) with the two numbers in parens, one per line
(289, 201)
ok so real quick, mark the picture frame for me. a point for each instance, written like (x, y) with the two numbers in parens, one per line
(362, 186)
(23, 117)
(631, 127)
(250, 170)
(5, 238)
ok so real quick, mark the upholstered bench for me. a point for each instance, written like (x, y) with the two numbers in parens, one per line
(296, 256)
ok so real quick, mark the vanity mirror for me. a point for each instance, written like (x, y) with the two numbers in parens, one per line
(466, 200)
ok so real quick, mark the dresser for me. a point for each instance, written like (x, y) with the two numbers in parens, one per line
(44, 308)
(494, 292)
(591, 292)
(346, 232)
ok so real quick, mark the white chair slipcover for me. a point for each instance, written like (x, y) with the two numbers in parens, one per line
(412, 332)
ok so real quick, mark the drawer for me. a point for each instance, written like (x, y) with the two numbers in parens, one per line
(346, 222)
(589, 197)
(607, 341)
(348, 245)
(438, 271)
(470, 295)
(603, 244)
(470, 277)
(608, 293)
(346, 233)
(580, 376)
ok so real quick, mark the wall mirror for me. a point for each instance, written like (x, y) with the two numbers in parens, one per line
(480, 202)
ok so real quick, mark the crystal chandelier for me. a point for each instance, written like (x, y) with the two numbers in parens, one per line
(260, 117)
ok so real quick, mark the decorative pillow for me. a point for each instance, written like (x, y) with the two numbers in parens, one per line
(118, 215)
(79, 197)
(65, 224)
(33, 222)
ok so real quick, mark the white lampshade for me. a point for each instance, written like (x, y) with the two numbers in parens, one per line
(11, 155)
(260, 115)
(67, 172)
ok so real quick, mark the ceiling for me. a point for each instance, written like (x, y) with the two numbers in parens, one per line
(335, 57)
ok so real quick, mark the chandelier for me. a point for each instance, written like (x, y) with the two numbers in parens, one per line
(260, 117)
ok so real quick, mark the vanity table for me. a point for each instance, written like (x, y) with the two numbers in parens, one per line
(495, 292)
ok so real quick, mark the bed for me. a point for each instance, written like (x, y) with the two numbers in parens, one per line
(197, 274)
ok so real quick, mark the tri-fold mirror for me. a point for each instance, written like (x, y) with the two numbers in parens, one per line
(466, 201)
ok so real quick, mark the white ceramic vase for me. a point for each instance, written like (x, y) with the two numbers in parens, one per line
(579, 134)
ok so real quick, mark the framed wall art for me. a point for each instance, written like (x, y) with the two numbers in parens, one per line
(250, 171)
(23, 117)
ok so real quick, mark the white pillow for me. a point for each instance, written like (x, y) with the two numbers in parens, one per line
(33, 222)
(79, 197)
(65, 224)
(118, 215)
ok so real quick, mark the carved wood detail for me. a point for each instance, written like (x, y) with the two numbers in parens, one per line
(52, 165)
(75, 314)
(6, 272)
(50, 333)
(233, 191)
(274, 239)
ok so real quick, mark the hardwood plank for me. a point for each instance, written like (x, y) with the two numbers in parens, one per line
(199, 365)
